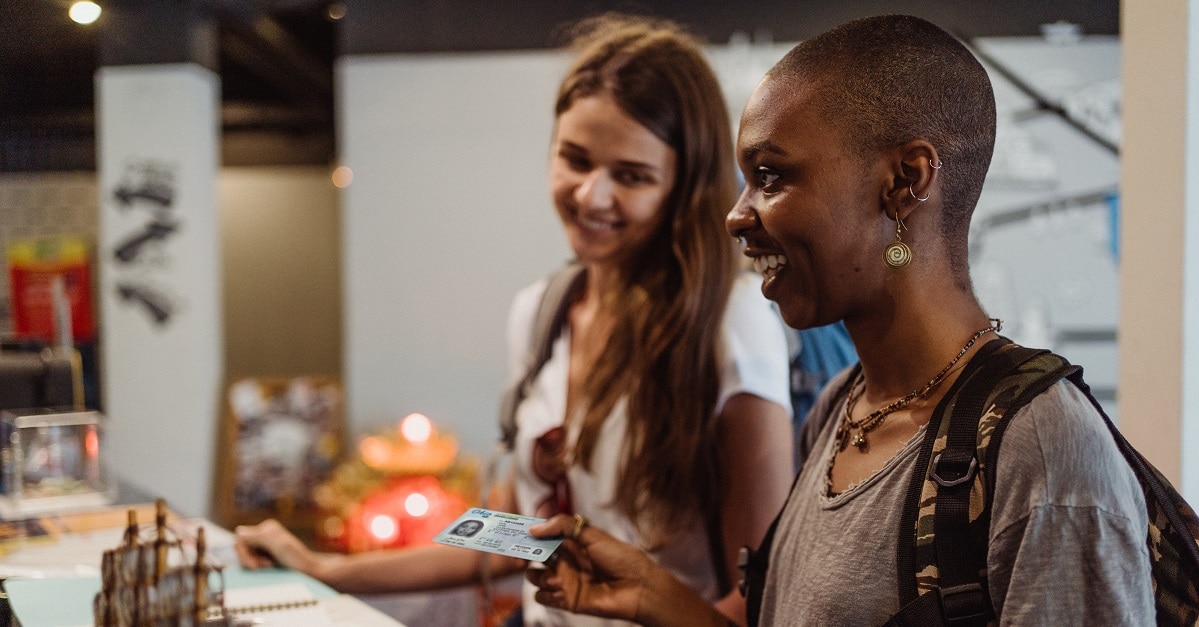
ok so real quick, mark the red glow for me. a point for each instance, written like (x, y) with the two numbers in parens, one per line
(394, 501)
(91, 442)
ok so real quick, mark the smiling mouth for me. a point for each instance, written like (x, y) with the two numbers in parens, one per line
(769, 265)
(595, 225)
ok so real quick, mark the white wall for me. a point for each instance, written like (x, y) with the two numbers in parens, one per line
(447, 217)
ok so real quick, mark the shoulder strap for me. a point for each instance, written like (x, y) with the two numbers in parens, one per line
(547, 326)
(949, 549)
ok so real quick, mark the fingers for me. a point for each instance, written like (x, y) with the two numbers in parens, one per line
(549, 585)
(251, 542)
(580, 522)
(575, 527)
(560, 526)
(551, 598)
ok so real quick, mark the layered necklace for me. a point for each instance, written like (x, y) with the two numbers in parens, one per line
(855, 431)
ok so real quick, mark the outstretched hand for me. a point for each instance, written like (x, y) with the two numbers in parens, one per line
(591, 573)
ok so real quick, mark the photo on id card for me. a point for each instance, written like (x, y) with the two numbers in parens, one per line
(498, 532)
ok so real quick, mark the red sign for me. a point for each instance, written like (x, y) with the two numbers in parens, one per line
(34, 264)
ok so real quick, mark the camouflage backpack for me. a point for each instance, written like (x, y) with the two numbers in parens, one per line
(942, 569)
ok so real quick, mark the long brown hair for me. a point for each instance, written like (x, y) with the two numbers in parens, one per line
(663, 348)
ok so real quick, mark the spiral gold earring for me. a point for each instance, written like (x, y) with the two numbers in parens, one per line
(897, 253)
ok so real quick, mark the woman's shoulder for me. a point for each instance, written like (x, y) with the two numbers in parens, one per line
(1057, 450)
(527, 299)
(752, 323)
(520, 320)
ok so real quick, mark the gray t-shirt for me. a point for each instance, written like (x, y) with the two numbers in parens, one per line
(1067, 540)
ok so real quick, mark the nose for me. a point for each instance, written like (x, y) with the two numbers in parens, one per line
(596, 190)
(742, 217)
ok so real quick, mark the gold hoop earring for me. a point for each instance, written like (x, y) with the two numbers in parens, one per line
(897, 253)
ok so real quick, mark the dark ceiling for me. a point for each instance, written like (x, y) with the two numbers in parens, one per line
(275, 57)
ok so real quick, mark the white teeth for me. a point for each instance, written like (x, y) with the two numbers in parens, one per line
(769, 265)
(594, 225)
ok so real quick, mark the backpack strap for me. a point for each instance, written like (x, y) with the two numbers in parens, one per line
(948, 556)
(559, 293)
(562, 286)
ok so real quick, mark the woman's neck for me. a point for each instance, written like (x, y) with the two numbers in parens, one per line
(904, 351)
(602, 282)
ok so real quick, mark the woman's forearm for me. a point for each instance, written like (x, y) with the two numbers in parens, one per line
(408, 570)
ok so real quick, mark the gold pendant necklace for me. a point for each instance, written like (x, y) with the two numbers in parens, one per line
(861, 428)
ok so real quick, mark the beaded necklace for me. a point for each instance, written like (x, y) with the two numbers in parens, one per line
(875, 418)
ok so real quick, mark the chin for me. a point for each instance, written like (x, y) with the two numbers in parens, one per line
(800, 316)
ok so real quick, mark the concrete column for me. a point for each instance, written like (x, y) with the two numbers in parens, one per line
(1159, 265)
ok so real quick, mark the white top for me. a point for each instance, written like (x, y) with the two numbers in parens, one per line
(753, 359)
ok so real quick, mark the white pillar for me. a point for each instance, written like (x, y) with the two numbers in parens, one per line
(1159, 265)
(159, 262)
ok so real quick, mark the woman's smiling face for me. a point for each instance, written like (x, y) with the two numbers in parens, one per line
(609, 179)
(810, 209)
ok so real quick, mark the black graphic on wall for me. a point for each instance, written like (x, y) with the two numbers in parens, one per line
(146, 190)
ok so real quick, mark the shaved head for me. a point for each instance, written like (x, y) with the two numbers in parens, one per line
(889, 79)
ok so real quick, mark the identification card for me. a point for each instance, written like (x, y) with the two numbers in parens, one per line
(498, 532)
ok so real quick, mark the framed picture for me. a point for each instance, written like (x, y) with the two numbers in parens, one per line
(279, 439)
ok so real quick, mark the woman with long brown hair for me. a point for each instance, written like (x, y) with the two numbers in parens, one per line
(661, 414)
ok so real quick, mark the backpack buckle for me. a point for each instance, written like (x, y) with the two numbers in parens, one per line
(953, 469)
(967, 602)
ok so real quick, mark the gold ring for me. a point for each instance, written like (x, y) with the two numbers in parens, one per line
(580, 522)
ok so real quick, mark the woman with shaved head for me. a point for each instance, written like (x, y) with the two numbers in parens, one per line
(864, 152)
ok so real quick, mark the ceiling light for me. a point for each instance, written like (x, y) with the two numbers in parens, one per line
(84, 12)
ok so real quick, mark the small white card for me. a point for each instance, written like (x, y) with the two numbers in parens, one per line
(498, 532)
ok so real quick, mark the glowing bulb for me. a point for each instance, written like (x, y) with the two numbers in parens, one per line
(342, 177)
(84, 12)
(383, 527)
(91, 442)
(416, 428)
(416, 505)
(375, 452)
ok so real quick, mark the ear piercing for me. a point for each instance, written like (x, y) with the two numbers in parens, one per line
(935, 166)
(897, 253)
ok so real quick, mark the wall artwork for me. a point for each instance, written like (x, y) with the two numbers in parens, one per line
(142, 254)
(279, 439)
